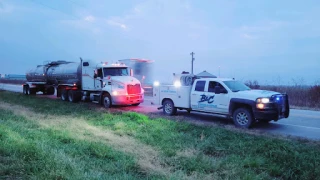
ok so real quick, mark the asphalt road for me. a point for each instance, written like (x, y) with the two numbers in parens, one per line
(301, 123)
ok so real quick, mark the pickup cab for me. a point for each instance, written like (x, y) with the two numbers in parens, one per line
(222, 96)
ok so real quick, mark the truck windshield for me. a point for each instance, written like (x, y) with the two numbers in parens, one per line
(236, 86)
(115, 72)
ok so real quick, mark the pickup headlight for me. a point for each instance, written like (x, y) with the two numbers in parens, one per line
(261, 103)
(263, 100)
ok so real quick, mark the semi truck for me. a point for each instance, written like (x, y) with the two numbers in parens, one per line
(105, 83)
(223, 97)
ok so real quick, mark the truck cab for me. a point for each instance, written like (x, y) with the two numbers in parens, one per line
(111, 84)
(222, 96)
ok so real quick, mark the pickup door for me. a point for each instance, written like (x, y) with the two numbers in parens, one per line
(204, 98)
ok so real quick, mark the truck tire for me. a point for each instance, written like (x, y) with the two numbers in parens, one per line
(106, 101)
(168, 108)
(64, 95)
(137, 104)
(242, 118)
(73, 96)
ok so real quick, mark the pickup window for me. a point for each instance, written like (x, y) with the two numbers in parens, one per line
(213, 84)
(200, 86)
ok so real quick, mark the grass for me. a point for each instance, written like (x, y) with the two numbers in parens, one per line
(45, 138)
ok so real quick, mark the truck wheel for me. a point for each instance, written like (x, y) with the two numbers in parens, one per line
(106, 101)
(64, 95)
(137, 104)
(71, 96)
(168, 108)
(242, 117)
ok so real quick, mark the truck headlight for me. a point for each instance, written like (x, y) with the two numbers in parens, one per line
(263, 100)
(156, 83)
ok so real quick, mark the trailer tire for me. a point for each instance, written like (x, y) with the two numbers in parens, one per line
(64, 95)
(31, 91)
(106, 101)
(168, 108)
(137, 104)
(25, 89)
(242, 117)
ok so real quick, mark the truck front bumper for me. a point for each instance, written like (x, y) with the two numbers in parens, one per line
(127, 99)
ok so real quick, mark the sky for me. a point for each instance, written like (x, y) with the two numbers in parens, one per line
(271, 41)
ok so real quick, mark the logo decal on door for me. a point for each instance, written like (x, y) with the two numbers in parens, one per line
(209, 99)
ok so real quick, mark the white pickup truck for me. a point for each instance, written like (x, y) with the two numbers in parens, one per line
(221, 96)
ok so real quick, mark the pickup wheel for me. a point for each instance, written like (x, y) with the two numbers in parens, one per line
(242, 117)
(168, 108)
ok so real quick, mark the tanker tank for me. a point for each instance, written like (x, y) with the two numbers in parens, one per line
(56, 72)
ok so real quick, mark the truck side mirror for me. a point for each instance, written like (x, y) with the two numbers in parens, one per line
(217, 90)
(131, 72)
(95, 76)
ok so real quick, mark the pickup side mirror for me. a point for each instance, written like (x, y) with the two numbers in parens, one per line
(217, 89)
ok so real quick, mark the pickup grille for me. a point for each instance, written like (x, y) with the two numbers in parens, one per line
(134, 89)
(280, 101)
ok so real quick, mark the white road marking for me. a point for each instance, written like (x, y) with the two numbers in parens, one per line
(299, 126)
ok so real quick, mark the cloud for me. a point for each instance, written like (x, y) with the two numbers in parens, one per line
(117, 24)
(90, 18)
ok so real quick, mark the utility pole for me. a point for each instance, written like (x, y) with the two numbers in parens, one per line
(192, 53)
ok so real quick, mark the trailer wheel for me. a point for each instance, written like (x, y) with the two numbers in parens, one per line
(137, 104)
(168, 108)
(242, 117)
(25, 90)
(31, 91)
(106, 101)
(64, 95)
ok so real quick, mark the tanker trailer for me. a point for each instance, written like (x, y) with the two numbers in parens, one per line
(104, 83)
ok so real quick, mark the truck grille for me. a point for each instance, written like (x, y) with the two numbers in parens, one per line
(134, 89)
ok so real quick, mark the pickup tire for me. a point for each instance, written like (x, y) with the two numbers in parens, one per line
(168, 108)
(242, 117)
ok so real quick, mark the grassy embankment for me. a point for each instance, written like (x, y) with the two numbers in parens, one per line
(50, 139)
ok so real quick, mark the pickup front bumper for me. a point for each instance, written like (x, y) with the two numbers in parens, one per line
(276, 110)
